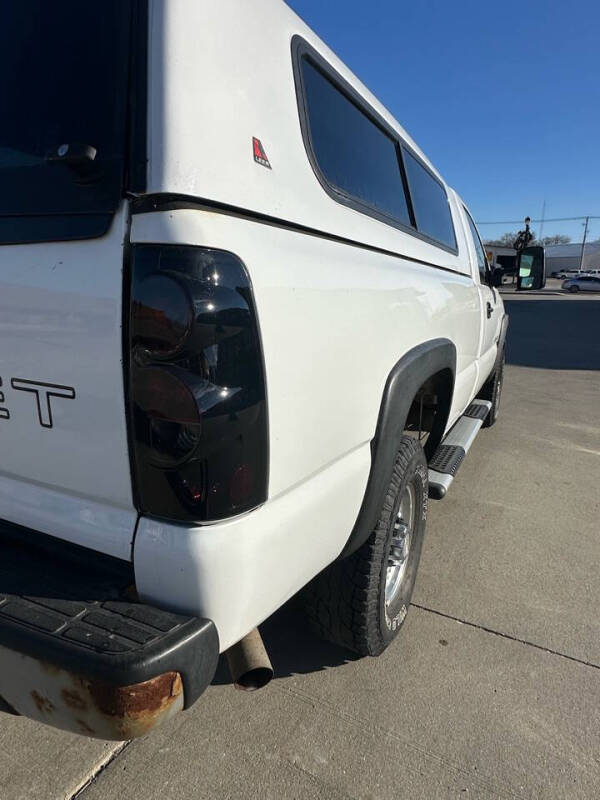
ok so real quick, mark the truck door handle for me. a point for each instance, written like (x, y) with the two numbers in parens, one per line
(490, 310)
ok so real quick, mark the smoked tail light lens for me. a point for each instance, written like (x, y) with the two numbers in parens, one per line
(197, 396)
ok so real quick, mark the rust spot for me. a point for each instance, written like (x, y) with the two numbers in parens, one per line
(142, 699)
(84, 727)
(43, 705)
(176, 685)
(73, 699)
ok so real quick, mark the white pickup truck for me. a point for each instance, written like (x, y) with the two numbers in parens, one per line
(246, 331)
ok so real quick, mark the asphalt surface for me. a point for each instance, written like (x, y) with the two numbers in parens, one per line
(492, 689)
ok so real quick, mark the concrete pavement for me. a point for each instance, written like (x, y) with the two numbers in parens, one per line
(493, 688)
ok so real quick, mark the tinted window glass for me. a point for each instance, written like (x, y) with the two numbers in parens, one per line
(354, 154)
(430, 203)
(481, 260)
(63, 80)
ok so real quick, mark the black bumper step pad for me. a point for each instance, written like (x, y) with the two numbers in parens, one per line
(476, 411)
(74, 609)
(447, 459)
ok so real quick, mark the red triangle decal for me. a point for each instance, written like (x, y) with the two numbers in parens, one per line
(259, 153)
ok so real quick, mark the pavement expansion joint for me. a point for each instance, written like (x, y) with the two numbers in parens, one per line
(98, 770)
(508, 636)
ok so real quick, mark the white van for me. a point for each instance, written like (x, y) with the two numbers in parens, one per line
(247, 329)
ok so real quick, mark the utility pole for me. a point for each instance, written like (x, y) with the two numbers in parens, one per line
(587, 222)
(542, 223)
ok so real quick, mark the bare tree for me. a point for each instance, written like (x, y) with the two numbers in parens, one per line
(559, 238)
(506, 240)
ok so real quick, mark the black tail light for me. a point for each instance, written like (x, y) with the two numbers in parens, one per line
(196, 385)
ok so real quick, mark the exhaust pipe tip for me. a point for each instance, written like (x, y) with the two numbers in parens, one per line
(254, 679)
(249, 664)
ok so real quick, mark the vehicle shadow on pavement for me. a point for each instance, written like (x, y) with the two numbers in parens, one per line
(550, 334)
(292, 646)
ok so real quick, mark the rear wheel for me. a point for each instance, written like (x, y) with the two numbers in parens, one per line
(361, 602)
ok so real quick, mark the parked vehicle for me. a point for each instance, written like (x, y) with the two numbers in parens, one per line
(247, 330)
(568, 273)
(583, 283)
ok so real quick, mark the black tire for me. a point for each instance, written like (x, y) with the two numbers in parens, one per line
(346, 603)
(574, 289)
(492, 391)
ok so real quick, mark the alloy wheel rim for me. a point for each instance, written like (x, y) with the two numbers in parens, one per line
(400, 546)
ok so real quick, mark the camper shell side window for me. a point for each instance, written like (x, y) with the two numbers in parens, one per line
(360, 160)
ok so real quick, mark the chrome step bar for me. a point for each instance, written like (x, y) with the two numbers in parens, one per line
(446, 460)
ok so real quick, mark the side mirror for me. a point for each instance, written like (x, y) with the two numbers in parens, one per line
(531, 269)
(497, 274)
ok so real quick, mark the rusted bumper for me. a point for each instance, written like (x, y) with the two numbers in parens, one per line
(64, 700)
(104, 666)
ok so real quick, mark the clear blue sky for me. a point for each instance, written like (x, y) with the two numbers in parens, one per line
(503, 97)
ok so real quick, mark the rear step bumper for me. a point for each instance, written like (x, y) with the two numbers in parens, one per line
(446, 460)
(78, 652)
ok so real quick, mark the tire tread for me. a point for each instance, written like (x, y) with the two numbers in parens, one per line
(342, 602)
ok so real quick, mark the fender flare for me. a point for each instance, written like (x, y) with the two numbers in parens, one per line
(501, 341)
(401, 387)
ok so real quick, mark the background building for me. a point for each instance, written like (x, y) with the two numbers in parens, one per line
(568, 256)
(505, 257)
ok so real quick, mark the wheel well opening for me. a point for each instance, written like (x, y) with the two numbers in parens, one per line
(430, 409)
